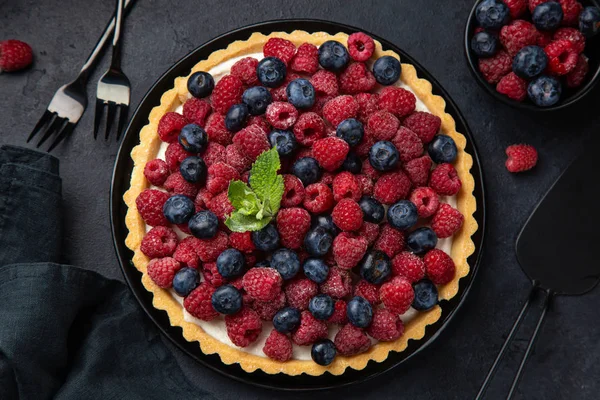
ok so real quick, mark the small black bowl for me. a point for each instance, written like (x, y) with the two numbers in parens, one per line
(568, 97)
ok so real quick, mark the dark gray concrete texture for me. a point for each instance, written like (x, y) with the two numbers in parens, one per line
(565, 363)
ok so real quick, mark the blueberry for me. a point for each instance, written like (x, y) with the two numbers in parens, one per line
(484, 44)
(257, 98)
(387, 70)
(286, 262)
(383, 156)
(307, 170)
(375, 267)
(230, 263)
(421, 240)
(323, 352)
(426, 295)
(200, 84)
(284, 140)
(529, 62)
(185, 280)
(321, 306)
(547, 16)
(271, 71)
(373, 210)
(193, 138)
(351, 131)
(178, 209)
(267, 239)
(359, 312)
(193, 169)
(589, 21)
(317, 242)
(227, 300)
(544, 91)
(204, 225)
(442, 149)
(333, 56)
(316, 270)
(403, 215)
(326, 222)
(492, 14)
(301, 93)
(286, 320)
(236, 117)
(352, 163)
(263, 264)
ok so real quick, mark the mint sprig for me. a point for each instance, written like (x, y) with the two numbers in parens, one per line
(255, 205)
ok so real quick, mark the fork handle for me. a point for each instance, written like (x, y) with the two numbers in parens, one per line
(116, 53)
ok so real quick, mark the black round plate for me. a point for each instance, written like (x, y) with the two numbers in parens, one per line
(118, 209)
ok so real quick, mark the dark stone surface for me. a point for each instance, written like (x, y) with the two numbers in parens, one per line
(565, 363)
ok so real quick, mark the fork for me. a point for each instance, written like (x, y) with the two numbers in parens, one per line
(113, 88)
(70, 100)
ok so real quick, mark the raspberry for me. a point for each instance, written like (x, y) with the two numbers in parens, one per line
(243, 327)
(162, 271)
(367, 105)
(263, 284)
(266, 310)
(513, 87)
(174, 155)
(236, 158)
(345, 186)
(521, 157)
(397, 295)
(347, 215)
(518, 34)
(150, 204)
(318, 198)
(338, 283)
(309, 128)
(390, 241)
(349, 249)
(227, 92)
(203, 198)
(198, 302)
(544, 38)
(214, 153)
(562, 57)
(571, 10)
(330, 152)
(306, 59)
(444, 180)
(576, 77)
(293, 194)
(424, 124)
(245, 69)
(447, 221)
(532, 4)
(356, 78)
(299, 292)
(439, 266)
(209, 249)
(292, 224)
(279, 93)
(369, 171)
(407, 142)
(261, 122)
(391, 187)
(396, 100)
(369, 231)
(516, 7)
(219, 176)
(220, 205)
(251, 141)
(14, 55)
(281, 115)
(184, 228)
(310, 330)
(426, 200)
(186, 252)
(170, 125)
(360, 46)
(280, 48)
(385, 326)
(242, 241)
(382, 125)
(340, 108)
(278, 346)
(216, 130)
(339, 313)
(175, 184)
(320, 101)
(418, 170)
(197, 110)
(351, 340)
(327, 178)
(495, 67)
(408, 265)
(211, 274)
(325, 83)
(250, 259)
(365, 183)
(159, 242)
(368, 291)
(572, 35)
(156, 171)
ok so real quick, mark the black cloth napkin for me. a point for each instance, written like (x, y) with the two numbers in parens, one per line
(66, 332)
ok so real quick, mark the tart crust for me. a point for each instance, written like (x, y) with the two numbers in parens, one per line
(462, 246)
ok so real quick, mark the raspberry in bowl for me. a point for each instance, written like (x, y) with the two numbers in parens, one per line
(539, 55)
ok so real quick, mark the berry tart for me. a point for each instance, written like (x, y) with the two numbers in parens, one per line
(300, 203)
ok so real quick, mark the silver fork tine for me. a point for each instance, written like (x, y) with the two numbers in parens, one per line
(66, 131)
(123, 111)
(110, 117)
(45, 117)
(98, 116)
(48, 130)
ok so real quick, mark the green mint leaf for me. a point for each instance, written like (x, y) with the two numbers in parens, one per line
(266, 183)
(242, 223)
(243, 199)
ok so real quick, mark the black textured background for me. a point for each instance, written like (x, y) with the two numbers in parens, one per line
(565, 363)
